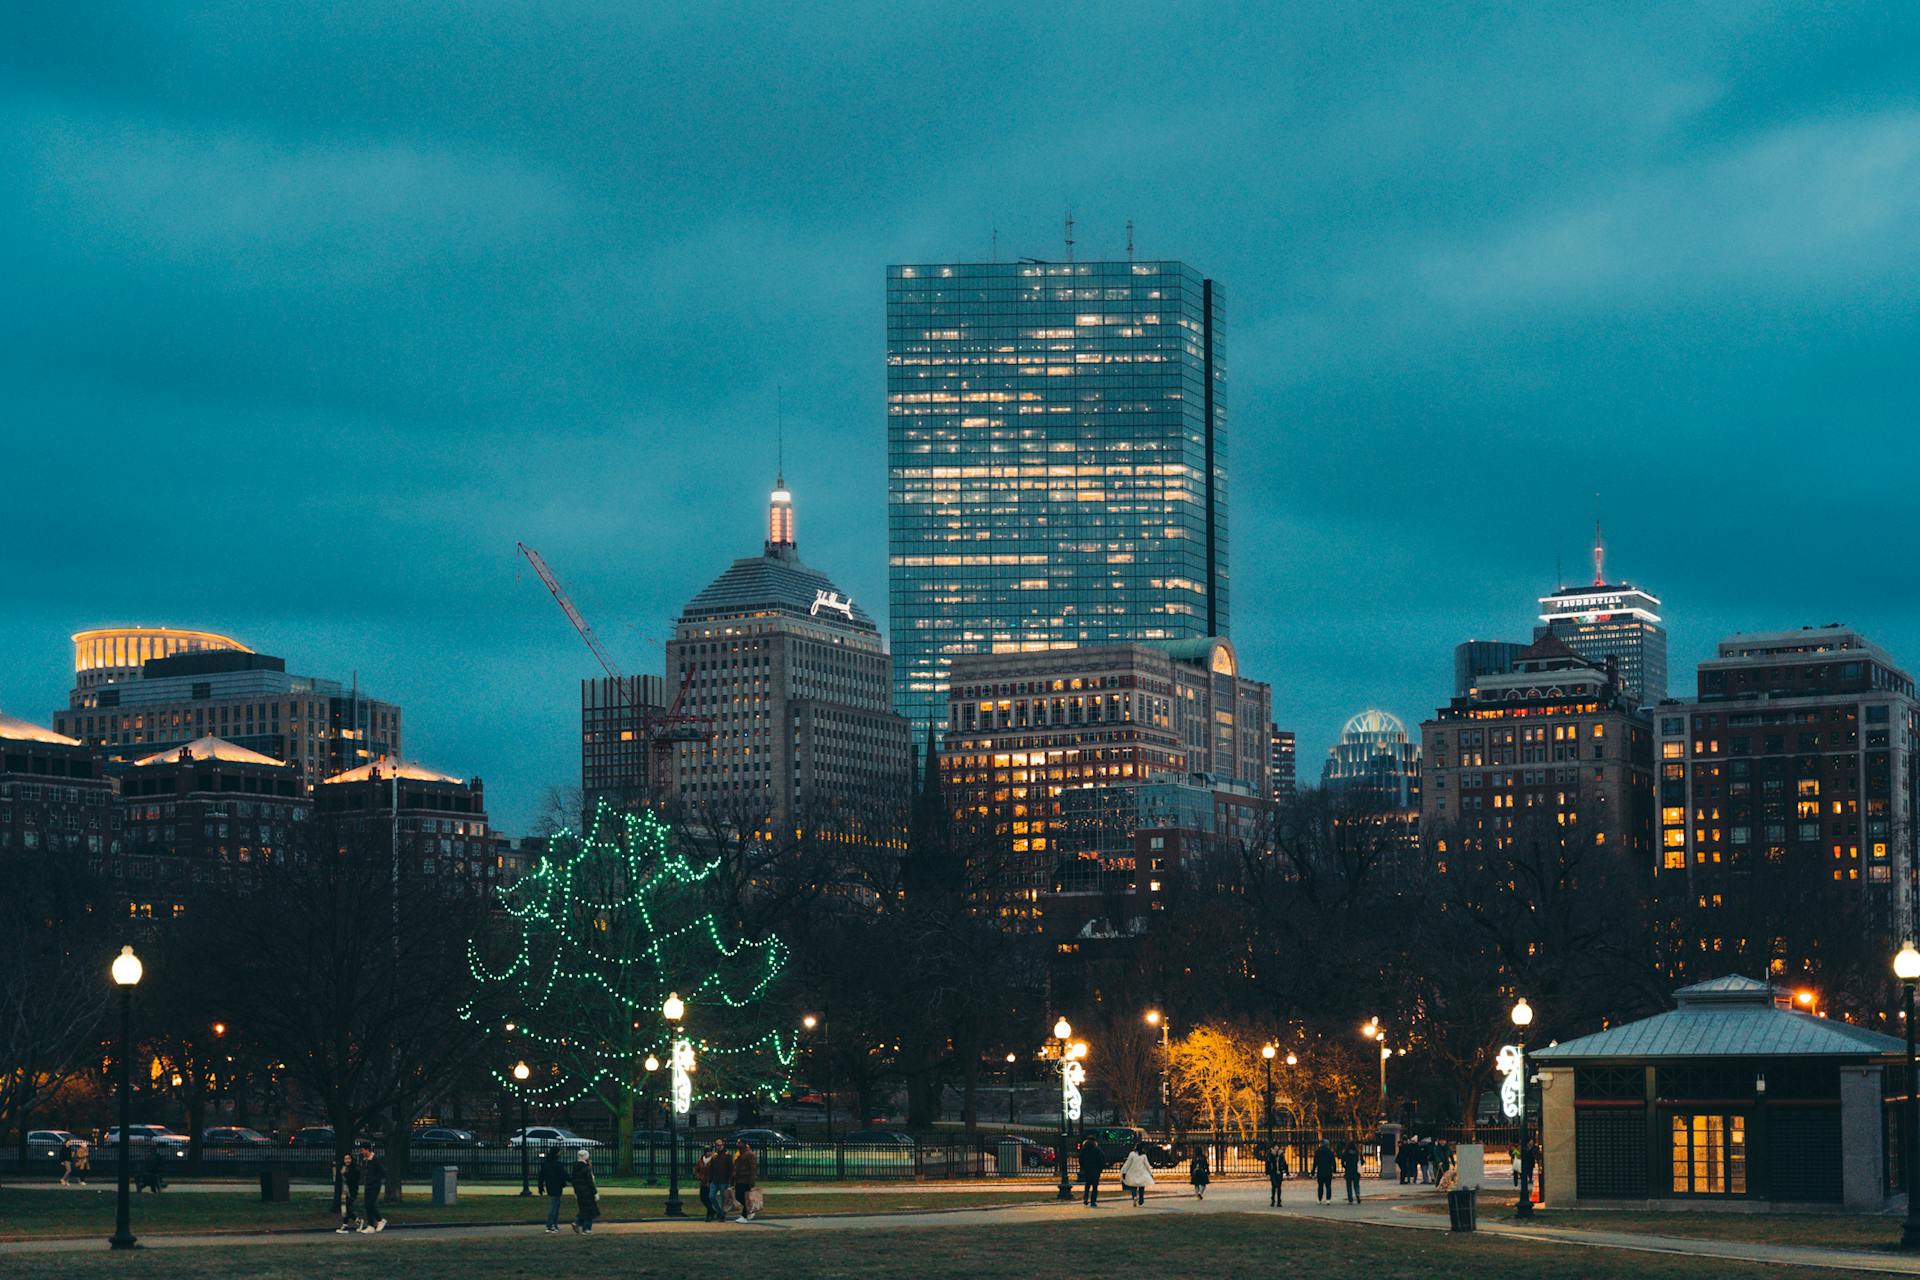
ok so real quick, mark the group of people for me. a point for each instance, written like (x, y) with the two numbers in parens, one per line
(556, 1179)
(1347, 1160)
(727, 1182)
(357, 1185)
(75, 1160)
(1423, 1160)
(1136, 1172)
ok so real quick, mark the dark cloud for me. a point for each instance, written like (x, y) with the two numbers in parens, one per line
(311, 312)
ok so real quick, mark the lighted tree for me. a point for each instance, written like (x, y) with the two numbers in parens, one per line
(601, 932)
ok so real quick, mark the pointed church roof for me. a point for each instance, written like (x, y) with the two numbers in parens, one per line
(14, 729)
(209, 748)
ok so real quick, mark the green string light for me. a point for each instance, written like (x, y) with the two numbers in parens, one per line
(550, 904)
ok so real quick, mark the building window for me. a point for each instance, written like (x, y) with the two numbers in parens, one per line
(1709, 1155)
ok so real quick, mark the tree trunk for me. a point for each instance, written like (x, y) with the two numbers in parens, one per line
(196, 1116)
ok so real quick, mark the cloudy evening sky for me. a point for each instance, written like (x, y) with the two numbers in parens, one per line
(310, 311)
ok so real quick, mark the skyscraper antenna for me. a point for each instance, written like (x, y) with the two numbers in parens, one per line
(780, 435)
(993, 255)
(1599, 547)
(1559, 573)
(1069, 235)
(1129, 239)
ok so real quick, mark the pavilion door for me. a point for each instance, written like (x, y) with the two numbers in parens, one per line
(1709, 1153)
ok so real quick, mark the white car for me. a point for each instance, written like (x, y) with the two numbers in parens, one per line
(151, 1135)
(538, 1138)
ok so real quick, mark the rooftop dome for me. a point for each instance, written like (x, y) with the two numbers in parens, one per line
(1373, 722)
(209, 748)
(778, 581)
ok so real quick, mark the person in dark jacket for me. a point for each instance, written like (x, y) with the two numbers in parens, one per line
(1276, 1174)
(746, 1167)
(1350, 1169)
(150, 1179)
(1093, 1162)
(720, 1176)
(586, 1193)
(1323, 1164)
(1199, 1173)
(346, 1193)
(553, 1185)
(373, 1180)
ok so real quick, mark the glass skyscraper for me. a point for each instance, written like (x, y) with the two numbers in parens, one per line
(1056, 462)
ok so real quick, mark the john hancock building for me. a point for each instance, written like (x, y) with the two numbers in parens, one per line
(1057, 466)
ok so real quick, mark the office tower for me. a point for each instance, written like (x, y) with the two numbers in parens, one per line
(1048, 749)
(1789, 791)
(1475, 658)
(1611, 620)
(142, 690)
(1057, 462)
(1281, 769)
(1374, 759)
(617, 720)
(1555, 749)
(790, 682)
(53, 796)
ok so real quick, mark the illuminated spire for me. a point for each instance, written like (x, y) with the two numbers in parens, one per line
(780, 519)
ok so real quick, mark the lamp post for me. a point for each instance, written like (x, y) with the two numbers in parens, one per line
(674, 1010)
(1267, 1052)
(652, 1064)
(1522, 1019)
(1375, 1032)
(826, 1038)
(126, 976)
(1906, 967)
(1158, 1020)
(520, 1074)
(1062, 1031)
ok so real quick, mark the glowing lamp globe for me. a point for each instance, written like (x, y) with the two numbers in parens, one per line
(1523, 1014)
(127, 968)
(675, 1008)
(1906, 965)
(1293, 1060)
(521, 1071)
(652, 1063)
(1062, 1029)
(1267, 1052)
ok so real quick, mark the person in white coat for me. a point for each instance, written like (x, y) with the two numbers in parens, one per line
(1136, 1175)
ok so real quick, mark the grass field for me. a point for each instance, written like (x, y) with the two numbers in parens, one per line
(1818, 1230)
(1217, 1246)
(26, 1215)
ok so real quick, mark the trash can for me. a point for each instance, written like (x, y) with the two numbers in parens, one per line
(273, 1186)
(446, 1184)
(1460, 1210)
(1006, 1159)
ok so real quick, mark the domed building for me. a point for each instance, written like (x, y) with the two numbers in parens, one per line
(1374, 759)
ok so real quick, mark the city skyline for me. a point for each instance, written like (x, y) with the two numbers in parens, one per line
(313, 372)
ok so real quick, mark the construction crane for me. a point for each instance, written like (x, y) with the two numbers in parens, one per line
(655, 734)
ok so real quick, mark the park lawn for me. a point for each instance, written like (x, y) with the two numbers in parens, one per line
(1816, 1230)
(1218, 1246)
(39, 1215)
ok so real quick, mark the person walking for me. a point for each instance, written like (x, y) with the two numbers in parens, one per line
(553, 1185)
(1323, 1163)
(1276, 1174)
(69, 1161)
(746, 1166)
(586, 1193)
(1198, 1173)
(701, 1168)
(1350, 1169)
(1427, 1171)
(720, 1178)
(1136, 1174)
(1093, 1162)
(150, 1179)
(1403, 1158)
(373, 1180)
(346, 1192)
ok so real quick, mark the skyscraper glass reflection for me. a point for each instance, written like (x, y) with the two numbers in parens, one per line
(1056, 451)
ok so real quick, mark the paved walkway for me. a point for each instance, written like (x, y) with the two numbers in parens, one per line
(1384, 1206)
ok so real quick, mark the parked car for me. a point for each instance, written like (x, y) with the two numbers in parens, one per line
(1033, 1155)
(879, 1138)
(47, 1144)
(150, 1135)
(811, 1098)
(1114, 1144)
(440, 1137)
(228, 1135)
(540, 1137)
(1162, 1156)
(660, 1138)
(761, 1139)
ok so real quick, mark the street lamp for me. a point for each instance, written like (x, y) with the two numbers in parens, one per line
(520, 1073)
(1267, 1051)
(826, 1045)
(1062, 1030)
(652, 1064)
(1906, 967)
(1522, 1019)
(1374, 1031)
(1158, 1020)
(126, 976)
(674, 1010)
